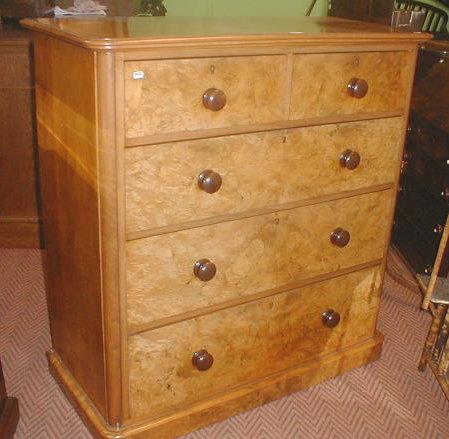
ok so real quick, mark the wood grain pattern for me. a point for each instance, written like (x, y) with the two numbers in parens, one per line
(16, 66)
(248, 342)
(224, 405)
(258, 170)
(68, 163)
(20, 233)
(19, 212)
(17, 154)
(319, 86)
(111, 232)
(251, 255)
(102, 287)
(256, 90)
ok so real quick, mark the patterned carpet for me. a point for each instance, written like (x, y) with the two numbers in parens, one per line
(388, 399)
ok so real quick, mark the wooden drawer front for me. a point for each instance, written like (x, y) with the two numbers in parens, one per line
(257, 170)
(170, 96)
(248, 341)
(251, 255)
(320, 83)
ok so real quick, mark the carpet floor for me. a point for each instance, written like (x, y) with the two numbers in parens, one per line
(386, 399)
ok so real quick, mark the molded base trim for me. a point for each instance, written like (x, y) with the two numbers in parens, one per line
(20, 234)
(239, 399)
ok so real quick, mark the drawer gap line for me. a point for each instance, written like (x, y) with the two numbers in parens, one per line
(139, 328)
(147, 233)
(179, 136)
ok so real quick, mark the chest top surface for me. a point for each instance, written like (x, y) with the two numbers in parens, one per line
(105, 33)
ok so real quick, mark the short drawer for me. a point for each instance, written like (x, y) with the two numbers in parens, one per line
(255, 171)
(251, 255)
(164, 96)
(320, 85)
(248, 342)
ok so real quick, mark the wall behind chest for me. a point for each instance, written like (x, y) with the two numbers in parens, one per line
(227, 8)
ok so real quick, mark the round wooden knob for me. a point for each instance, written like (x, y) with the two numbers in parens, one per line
(214, 99)
(340, 237)
(357, 88)
(350, 159)
(204, 270)
(209, 181)
(330, 318)
(202, 360)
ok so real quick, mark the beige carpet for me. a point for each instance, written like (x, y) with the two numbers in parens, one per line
(388, 399)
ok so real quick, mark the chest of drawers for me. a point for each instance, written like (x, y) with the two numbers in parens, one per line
(218, 199)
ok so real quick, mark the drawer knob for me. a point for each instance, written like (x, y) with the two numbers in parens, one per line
(214, 99)
(350, 159)
(202, 360)
(340, 237)
(209, 181)
(330, 318)
(357, 88)
(204, 270)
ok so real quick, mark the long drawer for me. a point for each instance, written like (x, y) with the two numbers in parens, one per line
(168, 94)
(255, 171)
(248, 342)
(321, 81)
(251, 255)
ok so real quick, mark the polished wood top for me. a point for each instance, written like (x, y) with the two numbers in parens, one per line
(133, 32)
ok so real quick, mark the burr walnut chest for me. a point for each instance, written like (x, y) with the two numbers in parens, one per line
(217, 199)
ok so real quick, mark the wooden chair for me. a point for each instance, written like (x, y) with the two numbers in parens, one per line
(436, 18)
(436, 292)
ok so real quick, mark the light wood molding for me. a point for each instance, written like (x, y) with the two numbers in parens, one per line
(118, 33)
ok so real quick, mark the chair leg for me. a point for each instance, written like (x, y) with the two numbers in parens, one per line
(426, 355)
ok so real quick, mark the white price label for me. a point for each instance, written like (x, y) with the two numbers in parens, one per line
(138, 75)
